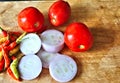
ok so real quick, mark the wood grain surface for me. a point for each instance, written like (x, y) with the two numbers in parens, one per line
(101, 64)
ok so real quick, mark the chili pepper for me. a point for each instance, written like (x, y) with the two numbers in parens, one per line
(14, 35)
(2, 63)
(12, 70)
(3, 32)
(13, 57)
(3, 39)
(19, 55)
(1, 55)
(12, 45)
(12, 38)
(7, 42)
(10, 73)
(18, 40)
(7, 59)
(14, 50)
(13, 67)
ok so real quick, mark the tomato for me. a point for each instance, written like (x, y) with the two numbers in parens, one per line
(30, 19)
(59, 12)
(78, 37)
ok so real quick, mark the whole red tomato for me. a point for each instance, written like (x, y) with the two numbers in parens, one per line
(59, 12)
(78, 37)
(30, 19)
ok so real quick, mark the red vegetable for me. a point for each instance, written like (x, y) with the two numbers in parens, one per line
(42, 29)
(15, 43)
(15, 33)
(2, 63)
(7, 42)
(6, 57)
(3, 32)
(13, 57)
(10, 73)
(12, 45)
(59, 12)
(13, 36)
(30, 19)
(78, 37)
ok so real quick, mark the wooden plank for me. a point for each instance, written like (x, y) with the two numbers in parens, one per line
(102, 62)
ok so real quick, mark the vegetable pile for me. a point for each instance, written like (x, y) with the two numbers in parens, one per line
(41, 46)
(9, 46)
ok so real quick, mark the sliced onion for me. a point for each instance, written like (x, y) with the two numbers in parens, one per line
(30, 67)
(46, 57)
(31, 44)
(52, 40)
(63, 68)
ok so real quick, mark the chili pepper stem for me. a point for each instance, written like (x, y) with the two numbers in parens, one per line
(1, 29)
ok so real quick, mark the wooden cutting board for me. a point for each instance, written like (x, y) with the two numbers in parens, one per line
(101, 64)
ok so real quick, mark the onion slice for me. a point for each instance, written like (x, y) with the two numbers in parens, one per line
(52, 40)
(63, 68)
(31, 44)
(46, 57)
(30, 67)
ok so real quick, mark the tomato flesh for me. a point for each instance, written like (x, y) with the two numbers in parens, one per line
(30, 19)
(78, 37)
